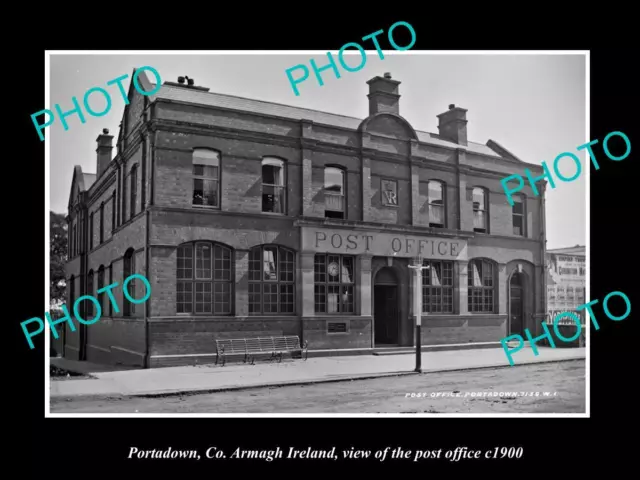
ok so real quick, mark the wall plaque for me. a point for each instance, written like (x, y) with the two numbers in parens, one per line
(389, 192)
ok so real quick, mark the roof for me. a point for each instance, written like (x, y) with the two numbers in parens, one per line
(169, 92)
(89, 179)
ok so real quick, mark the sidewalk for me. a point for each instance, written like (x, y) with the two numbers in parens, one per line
(236, 376)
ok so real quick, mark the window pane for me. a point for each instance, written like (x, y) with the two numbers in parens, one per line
(286, 298)
(203, 156)
(255, 305)
(435, 192)
(205, 192)
(333, 299)
(347, 270)
(333, 180)
(319, 269)
(269, 264)
(185, 296)
(273, 199)
(286, 266)
(333, 268)
(221, 263)
(185, 262)
(272, 174)
(270, 298)
(436, 214)
(320, 298)
(518, 206)
(436, 274)
(479, 220)
(221, 298)
(478, 199)
(203, 261)
(517, 225)
(203, 297)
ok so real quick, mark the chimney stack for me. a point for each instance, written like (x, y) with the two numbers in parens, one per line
(383, 95)
(452, 125)
(104, 151)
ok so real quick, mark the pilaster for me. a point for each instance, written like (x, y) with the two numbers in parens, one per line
(364, 284)
(461, 292)
(306, 275)
(503, 288)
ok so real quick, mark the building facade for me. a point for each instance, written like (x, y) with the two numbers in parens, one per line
(254, 218)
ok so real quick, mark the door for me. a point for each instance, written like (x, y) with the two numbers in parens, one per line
(386, 314)
(516, 313)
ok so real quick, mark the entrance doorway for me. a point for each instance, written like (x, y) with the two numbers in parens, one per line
(385, 307)
(516, 302)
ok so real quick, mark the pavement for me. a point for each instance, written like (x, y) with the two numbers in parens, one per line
(238, 376)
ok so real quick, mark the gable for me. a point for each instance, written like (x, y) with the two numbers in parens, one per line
(388, 125)
(132, 115)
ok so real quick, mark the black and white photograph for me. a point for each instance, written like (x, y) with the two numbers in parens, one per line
(273, 233)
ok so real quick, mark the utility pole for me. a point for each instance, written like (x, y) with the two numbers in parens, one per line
(417, 267)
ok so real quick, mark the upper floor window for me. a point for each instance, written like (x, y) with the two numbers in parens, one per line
(436, 204)
(437, 287)
(334, 283)
(90, 291)
(205, 279)
(113, 212)
(480, 220)
(72, 244)
(518, 214)
(273, 186)
(334, 192)
(134, 190)
(102, 222)
(101, 295)
(480, 294)
(91, 231)
(271, 280)
(206, 177)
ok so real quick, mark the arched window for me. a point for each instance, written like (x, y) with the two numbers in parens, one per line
(206, 178)
(334, 190)
(101, 223)
(271, 280)
(481, 281)
(113, 212)
(436, 204)
(518, 214)
(129, 268)
(90, 291)
(110, 283)
(205, 279)
(274, 195)
(134, 190)
(91, 231)
(100, 285)
(72, 292)
(480, 217)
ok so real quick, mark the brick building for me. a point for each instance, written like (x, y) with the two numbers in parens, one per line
(250, 217)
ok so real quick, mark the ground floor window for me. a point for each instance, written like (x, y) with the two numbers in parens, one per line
(271, 280)
(437, 287)
(204, 279)
(481, 287)
(334, 283)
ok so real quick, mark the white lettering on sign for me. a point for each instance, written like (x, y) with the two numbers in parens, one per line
(382, 244)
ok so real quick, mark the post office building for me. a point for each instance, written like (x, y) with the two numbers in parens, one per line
(253, 218)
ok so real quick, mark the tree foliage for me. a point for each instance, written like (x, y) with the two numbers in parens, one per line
(58, 257)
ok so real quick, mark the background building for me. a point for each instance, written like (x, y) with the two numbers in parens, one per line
(566, 286)
(254, 218)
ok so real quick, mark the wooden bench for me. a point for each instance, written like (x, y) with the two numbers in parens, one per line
(250, 347)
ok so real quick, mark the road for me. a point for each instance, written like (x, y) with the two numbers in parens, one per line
(564, 380)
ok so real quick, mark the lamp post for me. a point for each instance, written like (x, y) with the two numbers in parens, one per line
(417, 267)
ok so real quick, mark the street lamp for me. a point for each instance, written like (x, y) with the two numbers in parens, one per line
(417, 267)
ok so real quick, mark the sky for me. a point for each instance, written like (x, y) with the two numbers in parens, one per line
(533, 105)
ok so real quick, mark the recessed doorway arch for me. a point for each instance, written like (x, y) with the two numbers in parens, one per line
(386, 307)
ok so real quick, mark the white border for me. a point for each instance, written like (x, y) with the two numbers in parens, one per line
(48, 413)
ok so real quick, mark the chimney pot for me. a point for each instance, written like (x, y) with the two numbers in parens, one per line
(180, 79)
(452, 106)
(191, 81)
(105, 131)
(387, 75)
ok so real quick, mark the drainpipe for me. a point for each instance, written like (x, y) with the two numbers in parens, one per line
(149, 151)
